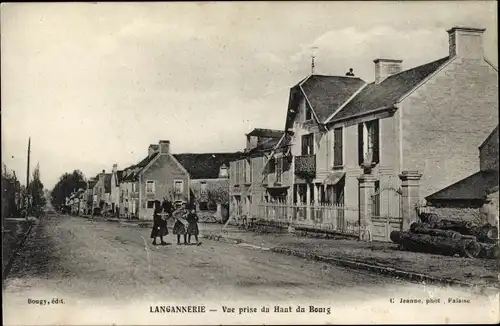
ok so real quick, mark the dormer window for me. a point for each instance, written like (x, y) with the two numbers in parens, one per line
(223, 171)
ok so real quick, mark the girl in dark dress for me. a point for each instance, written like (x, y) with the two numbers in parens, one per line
(180, 223)
(159, 225)
(192, 228)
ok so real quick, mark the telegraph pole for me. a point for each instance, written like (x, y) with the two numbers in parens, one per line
(28, 177)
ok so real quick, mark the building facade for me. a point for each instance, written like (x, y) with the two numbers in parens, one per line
(376, 149)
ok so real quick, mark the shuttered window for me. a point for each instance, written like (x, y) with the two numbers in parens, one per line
(338, 159)
(361, 152)
(374, 140)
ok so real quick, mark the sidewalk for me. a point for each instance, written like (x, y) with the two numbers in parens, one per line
(377, 256)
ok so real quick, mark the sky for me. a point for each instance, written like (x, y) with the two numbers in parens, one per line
(94, 84)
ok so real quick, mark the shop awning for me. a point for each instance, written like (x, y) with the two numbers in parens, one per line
(333, 178)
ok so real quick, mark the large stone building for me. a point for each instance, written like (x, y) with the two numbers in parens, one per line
(189, 178)
(378, 148)
(261, 174)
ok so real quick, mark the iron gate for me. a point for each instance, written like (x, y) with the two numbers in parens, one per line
(386, 213)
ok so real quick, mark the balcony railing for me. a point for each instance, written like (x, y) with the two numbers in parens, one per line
(305, 164)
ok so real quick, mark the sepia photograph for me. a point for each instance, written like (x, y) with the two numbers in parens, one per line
(244, 163)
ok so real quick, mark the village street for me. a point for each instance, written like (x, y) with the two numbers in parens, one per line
(106, 263)
(97, 259)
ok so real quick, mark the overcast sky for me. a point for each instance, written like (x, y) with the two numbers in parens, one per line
(95, 84)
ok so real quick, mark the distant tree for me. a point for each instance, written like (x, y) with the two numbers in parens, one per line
(67, 183)
(10, 193)
(218, 196)
(36, 193)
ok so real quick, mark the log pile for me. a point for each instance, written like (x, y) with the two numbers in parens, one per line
(446, 237)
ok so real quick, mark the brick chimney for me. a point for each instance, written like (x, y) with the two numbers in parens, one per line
(153, 148)
(466, 42)
(164, 146)
(385, 68)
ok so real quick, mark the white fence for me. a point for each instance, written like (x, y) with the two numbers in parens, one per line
(328, 217)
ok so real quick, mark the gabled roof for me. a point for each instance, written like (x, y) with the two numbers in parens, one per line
(389, 91)
(327, 93)
(493, 133)
(92, 183)
(205, 165)
(139, 166)
(266, 133)
(474, 187)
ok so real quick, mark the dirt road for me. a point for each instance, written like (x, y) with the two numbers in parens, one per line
(110, 263)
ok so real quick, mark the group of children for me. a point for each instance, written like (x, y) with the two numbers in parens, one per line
(186, 222)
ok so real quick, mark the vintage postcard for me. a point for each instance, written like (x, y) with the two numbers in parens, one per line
(230, 163)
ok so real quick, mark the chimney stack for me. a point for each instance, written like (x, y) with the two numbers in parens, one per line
(164, 146)
(466, 42)
(152, 149)
(385, 68)
(103, 171)
(115, 167)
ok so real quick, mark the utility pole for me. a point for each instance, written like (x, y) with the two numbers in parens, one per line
(28, 178)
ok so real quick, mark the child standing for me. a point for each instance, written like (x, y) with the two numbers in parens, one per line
(180, 224)
(159, 225)
(192, 228)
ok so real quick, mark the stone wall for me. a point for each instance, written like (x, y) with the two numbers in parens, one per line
(458, 211)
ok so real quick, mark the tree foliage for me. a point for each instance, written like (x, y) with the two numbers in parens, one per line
(67, 183)
(10, 193)
(36, 193)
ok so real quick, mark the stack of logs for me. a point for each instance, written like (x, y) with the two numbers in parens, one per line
(445, 237)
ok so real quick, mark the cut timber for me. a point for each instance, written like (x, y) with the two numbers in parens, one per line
(464, 227)
(489, 250)
(429, 217)
(422, 228)
(488, 234)
(436, 244)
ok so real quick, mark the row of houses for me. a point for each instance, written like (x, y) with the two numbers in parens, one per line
(352, 155)
(355, 154)
(199, 179)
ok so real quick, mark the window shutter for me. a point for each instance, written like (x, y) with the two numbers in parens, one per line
(360, 144)
(376, 141)
(304, 144)
(338, 159)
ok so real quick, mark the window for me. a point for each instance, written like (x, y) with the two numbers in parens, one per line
(308, 144)
(373, 140)
(133, 187)
(223, 171)
(203, 188)
(376, 200)
(151, 204)
(178, 186)
(308, 112)
(248, 171)
(271, 165)
(338, 159)
(368, 142)
(279, 168)
(150, 187)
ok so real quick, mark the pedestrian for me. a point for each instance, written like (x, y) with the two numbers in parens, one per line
(159, 225)
(180, 225)
(192, 228)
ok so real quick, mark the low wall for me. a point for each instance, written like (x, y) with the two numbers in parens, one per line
(457, 210)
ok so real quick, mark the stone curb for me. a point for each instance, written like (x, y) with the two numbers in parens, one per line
(20, 246)
(222, 239)
(388, 271)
